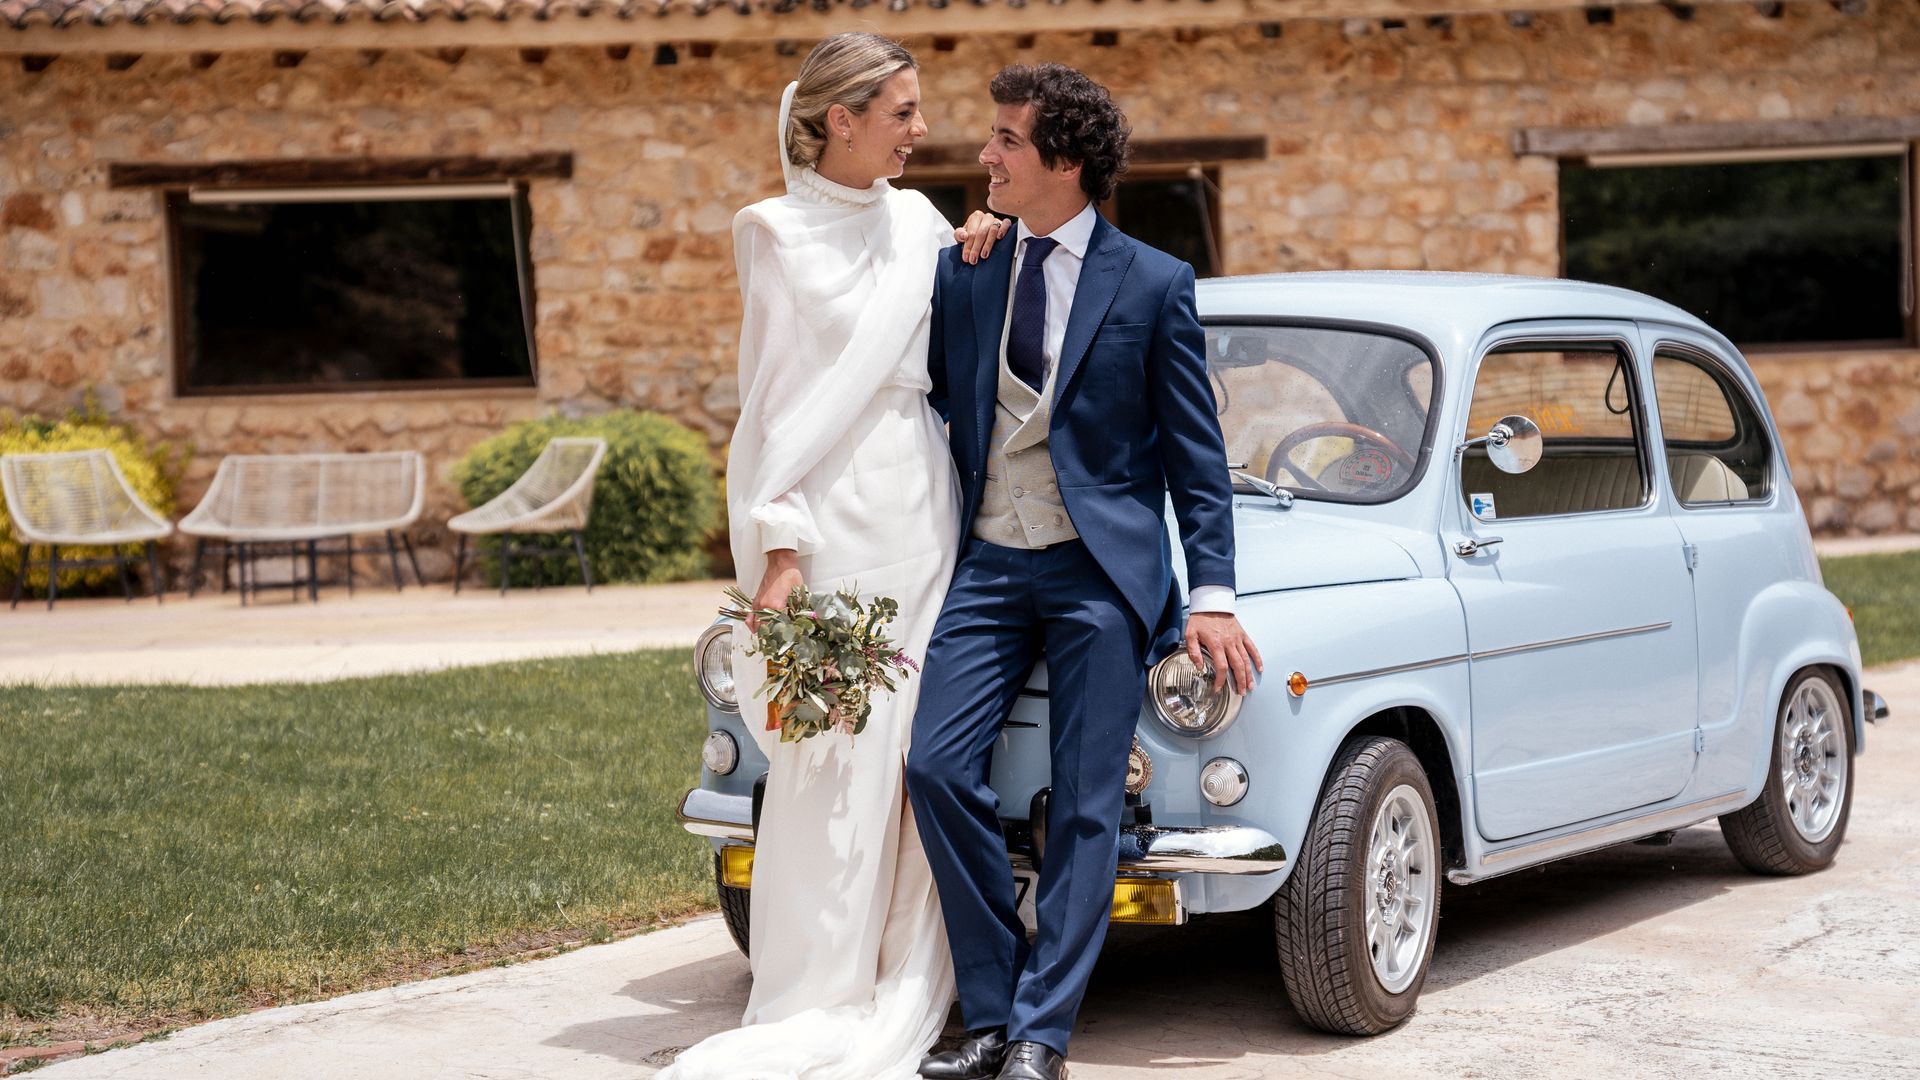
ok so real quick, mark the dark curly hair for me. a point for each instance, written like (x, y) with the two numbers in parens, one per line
(1074, 119)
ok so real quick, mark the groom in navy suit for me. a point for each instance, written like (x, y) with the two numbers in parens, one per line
(1071, 367)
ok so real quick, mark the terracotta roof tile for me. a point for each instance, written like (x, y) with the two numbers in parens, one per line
(24, 13)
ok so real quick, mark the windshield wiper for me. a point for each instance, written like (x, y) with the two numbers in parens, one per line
(1265, 487)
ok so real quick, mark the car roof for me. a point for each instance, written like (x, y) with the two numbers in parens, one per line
(1439, 304)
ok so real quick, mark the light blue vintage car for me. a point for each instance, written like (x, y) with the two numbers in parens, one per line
(1530, 577)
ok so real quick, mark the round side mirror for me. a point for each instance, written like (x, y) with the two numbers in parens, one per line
(1513, 444)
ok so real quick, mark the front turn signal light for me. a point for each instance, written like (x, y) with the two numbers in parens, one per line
(1297, 684)
(736, 866)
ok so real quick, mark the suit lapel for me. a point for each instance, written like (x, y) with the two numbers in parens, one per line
(1108, 256)
(990, 282)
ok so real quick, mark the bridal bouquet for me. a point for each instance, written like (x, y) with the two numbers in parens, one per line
(825, 659)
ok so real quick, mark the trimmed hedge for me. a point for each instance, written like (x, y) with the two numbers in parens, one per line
(152, 471)
(655, 503)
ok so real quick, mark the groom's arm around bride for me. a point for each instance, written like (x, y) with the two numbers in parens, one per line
(1072, 367)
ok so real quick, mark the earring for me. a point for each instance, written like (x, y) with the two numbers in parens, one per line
(849, 142)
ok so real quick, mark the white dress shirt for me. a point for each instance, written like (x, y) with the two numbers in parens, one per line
(1061, 273)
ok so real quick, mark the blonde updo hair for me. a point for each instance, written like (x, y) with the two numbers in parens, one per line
(846, 69)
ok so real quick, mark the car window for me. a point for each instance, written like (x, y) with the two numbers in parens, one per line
(1716, 446)
(1586, 401)
(1332, 414)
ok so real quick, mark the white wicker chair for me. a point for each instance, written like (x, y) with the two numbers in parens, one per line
(300, 500)
(554, 495)
(78, 498)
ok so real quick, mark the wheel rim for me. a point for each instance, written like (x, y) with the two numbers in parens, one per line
(1813, 760)
(1401, 864)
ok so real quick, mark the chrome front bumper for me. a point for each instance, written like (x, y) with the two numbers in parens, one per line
(1218, 849)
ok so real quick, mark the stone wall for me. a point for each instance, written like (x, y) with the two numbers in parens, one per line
(1388, 148)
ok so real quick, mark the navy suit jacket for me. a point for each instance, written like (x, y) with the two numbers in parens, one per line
(1133, 415)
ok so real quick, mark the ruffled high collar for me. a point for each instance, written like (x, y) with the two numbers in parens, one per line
(810, 184)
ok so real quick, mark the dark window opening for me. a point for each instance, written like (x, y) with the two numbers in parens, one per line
(1167, 209)
(1766, 252)
(353, 292)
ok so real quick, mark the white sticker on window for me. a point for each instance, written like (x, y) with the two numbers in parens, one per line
(1482, 503)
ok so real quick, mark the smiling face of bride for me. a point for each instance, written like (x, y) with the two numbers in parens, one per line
(882, 136)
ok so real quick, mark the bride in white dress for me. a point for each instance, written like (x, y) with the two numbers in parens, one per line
(840, 476)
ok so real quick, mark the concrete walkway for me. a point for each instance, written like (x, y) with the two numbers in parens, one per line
(1631, 962)
(213, 640)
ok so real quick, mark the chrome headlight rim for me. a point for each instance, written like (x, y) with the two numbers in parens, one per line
(1222, 713)
(717, 632)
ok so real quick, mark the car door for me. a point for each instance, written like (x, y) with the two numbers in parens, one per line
(1574, 582)
(1725, 485)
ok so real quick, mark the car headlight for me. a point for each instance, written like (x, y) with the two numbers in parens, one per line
(1185, 701)
(713, 663)
(720, 754)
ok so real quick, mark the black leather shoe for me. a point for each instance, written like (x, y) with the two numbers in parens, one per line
(978, 1058)
(1033, 1061)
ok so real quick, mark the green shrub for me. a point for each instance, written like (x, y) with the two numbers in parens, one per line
(654, 504)
(152, 471)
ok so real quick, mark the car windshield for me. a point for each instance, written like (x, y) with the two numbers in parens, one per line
(1327, 414)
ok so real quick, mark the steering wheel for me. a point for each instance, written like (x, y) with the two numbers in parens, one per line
(1280, 459)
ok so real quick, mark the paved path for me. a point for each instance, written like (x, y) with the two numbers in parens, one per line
(213, 640)
(1635, 961)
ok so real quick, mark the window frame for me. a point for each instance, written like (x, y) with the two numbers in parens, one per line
(1725, 377)
(1642, 432)
(1907, 151)
(173, 196)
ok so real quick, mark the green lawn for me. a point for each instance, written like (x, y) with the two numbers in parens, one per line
(171, 853)
(1884, 593)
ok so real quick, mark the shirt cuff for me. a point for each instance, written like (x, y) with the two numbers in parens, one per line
(1210, 598)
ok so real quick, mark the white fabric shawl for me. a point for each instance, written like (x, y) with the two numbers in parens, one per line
(836, 286)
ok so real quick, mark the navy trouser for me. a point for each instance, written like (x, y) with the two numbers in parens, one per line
(1007, 607)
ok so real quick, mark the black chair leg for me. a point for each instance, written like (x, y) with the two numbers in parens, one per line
(580, 553)
(293, 570)
(20, 574)
(459, 561)
(350, 551)
(120, 567)
(313, 570)
(53, 573)
(393, 556)
(193, 576)
(412, 559)
(241, 558)
(155, 581)
(506, 559)
(226, 564)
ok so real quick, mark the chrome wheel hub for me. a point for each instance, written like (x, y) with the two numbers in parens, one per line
(1401, 880)
(1813, 760)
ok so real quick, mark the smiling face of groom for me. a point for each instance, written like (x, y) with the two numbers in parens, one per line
(1020, 183)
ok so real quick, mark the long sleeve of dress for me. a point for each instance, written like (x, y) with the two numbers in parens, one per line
(769, 334)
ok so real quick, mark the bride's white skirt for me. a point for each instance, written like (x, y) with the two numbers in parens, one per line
(851, 973)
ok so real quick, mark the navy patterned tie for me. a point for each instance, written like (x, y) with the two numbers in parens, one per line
(1027, 335)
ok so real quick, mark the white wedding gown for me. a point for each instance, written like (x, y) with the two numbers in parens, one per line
(839, 455)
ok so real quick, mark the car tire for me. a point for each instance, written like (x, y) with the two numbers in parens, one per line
(1348, 895)
(1797, 824)
(735, 908)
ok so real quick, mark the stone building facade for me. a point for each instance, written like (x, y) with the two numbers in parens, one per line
(1389, 136)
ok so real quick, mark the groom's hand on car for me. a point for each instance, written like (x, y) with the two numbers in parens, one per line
(1218, 635)
(781, 578)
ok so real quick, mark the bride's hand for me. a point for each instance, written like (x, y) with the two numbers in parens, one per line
(781, 578)
(978, 235)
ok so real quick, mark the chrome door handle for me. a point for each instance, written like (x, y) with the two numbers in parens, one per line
(1467, 549)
